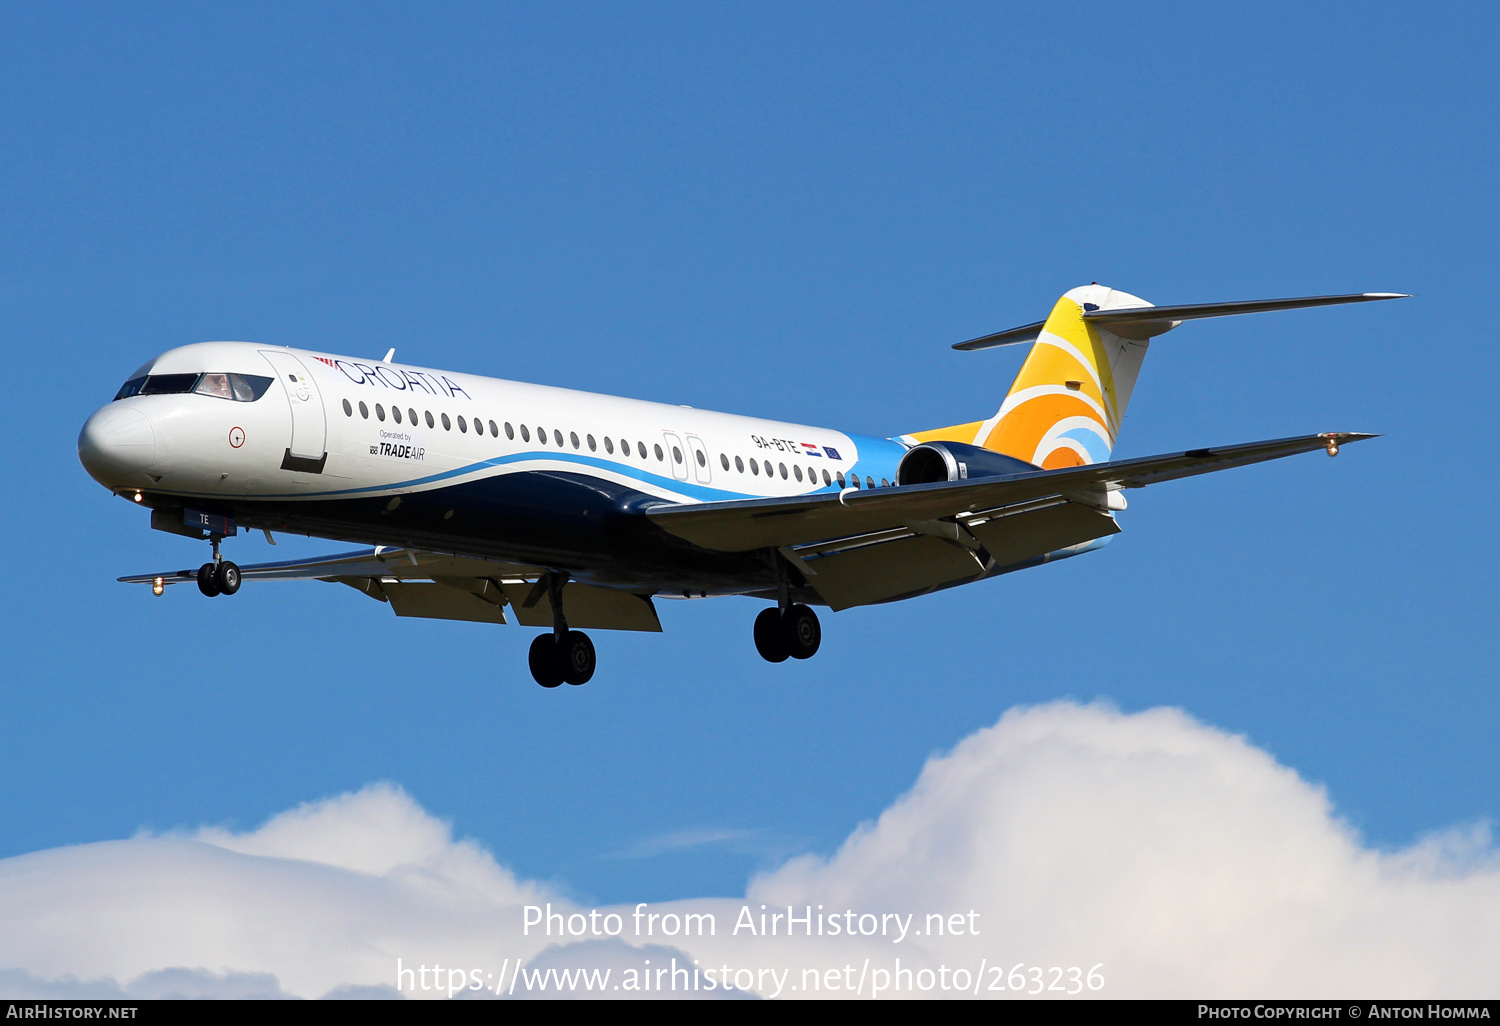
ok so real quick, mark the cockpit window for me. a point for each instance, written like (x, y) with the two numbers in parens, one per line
(215, 384)
(158, 384)
(244, 388)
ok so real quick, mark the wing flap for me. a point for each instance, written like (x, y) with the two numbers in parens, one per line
(605, 609)
(433, 600)
(1020, 539)
(908, 564)
(925, 555)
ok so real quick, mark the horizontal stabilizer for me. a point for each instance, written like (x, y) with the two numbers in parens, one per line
(1145, 322)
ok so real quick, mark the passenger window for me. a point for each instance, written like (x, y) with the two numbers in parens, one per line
(839, 477)
(525, 433)
(592, 446)
(797, 470)
(429, 419)
(510, 432)
(541, 435)
(494, 431)
(659, 454)
(676, 454)
(783, 471)
(826, 479)
(447, 424)
(703, 460)
(609, 445)
(869, 481)
(724, 461)
(364, 411)
(739, 464)
(396, 414)
(557, 437)
(853, 480)
(884, 483)
(641, 448)
(754, 467)
(379, 412)
(463, 425)
(348, 410)
(413, 415)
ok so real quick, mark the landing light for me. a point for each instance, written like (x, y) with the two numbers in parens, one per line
(158, 586)
(137, 496)
(1333, 447)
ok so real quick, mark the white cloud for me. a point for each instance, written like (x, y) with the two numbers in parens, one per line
(1185, 860)
(686, 840)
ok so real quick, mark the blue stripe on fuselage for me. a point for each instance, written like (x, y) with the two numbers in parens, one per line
(878, 458)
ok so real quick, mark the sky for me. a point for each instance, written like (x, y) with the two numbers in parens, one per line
(789, 212)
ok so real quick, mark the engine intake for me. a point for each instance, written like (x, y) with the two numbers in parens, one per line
(932, 462)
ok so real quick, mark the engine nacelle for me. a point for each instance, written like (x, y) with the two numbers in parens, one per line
(931, 462)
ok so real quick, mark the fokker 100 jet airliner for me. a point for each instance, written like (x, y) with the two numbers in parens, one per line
(577, 510)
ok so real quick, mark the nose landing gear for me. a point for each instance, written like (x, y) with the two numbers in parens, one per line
(219, 576)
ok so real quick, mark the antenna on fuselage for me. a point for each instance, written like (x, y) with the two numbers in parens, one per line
(389, 353)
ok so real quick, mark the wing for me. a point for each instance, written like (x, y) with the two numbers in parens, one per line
(859, 547)
(445, 586)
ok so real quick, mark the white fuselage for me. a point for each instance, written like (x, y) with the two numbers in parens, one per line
(329, 428)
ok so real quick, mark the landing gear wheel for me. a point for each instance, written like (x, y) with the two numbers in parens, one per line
(545, 660)
(577, 657)
(208, 579)
(227, 577)
(770, 640)
(801, 632)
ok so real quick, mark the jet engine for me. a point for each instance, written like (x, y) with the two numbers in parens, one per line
(931, 462)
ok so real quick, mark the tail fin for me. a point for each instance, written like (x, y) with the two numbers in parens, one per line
(1066, 405)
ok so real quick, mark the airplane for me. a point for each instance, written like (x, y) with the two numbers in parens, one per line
(475, 495)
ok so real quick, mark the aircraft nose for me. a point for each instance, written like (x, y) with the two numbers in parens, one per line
(116, 446)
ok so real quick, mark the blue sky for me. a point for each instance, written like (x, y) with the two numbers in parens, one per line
(762, 209)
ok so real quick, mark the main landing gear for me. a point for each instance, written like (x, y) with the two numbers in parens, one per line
(795, 633)
(564, 656)
(566, 660)
(220, 576)
(787, 629)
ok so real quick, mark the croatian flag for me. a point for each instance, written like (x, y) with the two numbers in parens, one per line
(812, 450)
